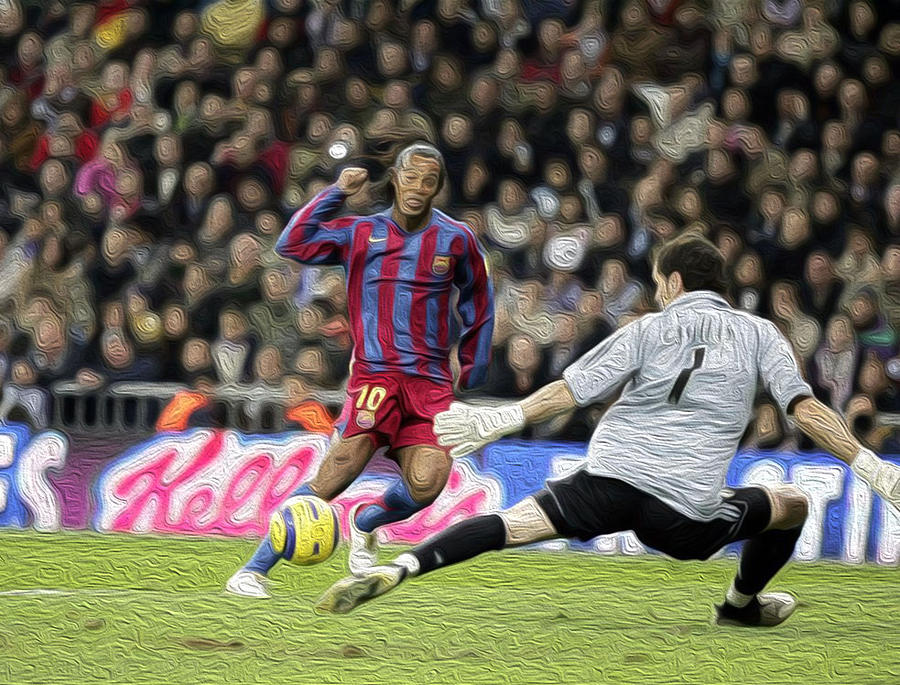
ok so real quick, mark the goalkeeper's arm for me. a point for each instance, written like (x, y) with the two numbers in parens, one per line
(828, 430)
(542, 405)
(466, 427)
(553, 399)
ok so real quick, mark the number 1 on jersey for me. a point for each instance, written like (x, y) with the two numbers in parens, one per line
(685, 375)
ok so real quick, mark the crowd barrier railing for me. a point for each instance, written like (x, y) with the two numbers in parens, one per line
(133, 406)
(115, 408)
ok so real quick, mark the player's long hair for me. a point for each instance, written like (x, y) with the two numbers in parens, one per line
(392, 153)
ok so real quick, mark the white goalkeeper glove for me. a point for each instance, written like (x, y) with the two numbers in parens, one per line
(465, 428)
(883, 476)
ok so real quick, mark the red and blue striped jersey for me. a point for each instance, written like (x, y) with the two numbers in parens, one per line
(399, 287)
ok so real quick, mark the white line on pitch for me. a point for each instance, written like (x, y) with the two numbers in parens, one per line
(31, 592)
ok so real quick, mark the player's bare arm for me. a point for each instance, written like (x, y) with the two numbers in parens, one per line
(467, 427)
(828, 430)
(553, 399)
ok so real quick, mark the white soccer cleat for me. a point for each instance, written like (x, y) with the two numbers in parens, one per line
(767, 610)
(246, 583)
(776, 607)
(363, 546)
(348, 593)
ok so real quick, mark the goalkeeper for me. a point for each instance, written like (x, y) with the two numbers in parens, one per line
(657, 461)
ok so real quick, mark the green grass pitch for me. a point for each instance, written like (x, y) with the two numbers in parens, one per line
(150, 610)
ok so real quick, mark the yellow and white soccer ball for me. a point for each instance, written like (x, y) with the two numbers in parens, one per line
(305, 530)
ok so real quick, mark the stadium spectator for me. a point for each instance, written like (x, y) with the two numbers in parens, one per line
(836, 362)
(23, 397)
(150, 155)
(821, 290)
(175, 329)
(196, 361)
(621, 294)
(233, 348)
(274, 315)
(890, 297)
(522, 368)
(119, 361)
(874, 332)
(800, 329)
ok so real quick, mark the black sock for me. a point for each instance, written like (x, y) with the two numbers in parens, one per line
(461, 541)
(763, 556)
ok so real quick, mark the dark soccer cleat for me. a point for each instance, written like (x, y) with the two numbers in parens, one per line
(766, 610)
(348, 593)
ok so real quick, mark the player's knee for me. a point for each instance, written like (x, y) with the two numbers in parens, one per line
(426, 481)
(426, 488)
(323, 489)
(790, 507)
(527, 522)
(798, 508)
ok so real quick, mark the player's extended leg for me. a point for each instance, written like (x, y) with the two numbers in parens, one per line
(344, 461)
(763, 556)
(521, 524)
(425, 470)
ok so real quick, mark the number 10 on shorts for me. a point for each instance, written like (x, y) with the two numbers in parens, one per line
(367, 403)
(371, 397)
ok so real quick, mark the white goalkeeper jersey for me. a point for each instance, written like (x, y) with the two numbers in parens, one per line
(689, 377)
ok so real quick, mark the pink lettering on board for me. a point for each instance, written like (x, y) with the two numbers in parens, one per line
(219, 482)
(205, 482)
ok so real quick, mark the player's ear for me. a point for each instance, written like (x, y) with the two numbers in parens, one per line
(675, 283)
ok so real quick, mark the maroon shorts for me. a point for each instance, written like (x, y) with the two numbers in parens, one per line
(394, 409)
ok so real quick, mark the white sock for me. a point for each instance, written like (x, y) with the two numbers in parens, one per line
(737, 599)
(409, 562)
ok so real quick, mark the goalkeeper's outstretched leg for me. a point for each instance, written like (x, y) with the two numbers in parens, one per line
(584, 506)
(523, 523)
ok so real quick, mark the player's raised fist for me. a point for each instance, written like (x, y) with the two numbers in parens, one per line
(352, 179)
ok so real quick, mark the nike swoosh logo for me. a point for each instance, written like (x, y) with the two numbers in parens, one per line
(376, 240)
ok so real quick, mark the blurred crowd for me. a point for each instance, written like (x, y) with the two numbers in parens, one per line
(150, 153)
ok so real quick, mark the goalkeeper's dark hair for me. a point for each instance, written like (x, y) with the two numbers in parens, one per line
(701, 265)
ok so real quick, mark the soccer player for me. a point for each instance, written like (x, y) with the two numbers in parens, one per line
(402, 266)
(657, 461)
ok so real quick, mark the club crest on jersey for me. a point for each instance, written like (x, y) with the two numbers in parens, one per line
(365, 419)
(440, 265)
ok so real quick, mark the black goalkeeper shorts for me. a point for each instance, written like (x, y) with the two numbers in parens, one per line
(584, 506)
